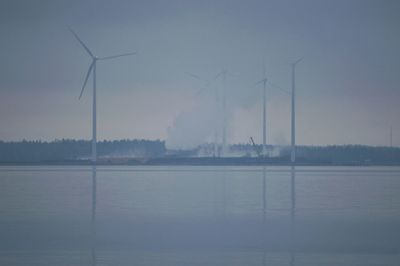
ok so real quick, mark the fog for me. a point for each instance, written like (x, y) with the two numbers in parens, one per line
(347, 84)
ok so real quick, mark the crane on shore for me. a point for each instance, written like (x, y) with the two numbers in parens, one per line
(256, 149)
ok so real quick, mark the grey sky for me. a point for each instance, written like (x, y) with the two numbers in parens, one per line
(348, 88)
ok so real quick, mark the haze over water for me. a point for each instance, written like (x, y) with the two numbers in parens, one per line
(199, 215)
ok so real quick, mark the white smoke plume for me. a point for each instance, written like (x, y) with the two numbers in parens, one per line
(192, 128)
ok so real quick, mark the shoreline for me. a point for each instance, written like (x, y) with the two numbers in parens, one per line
(201, 161)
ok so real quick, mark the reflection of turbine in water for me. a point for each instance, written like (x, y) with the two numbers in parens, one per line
(224, 194)
(292, 245)
(293, 216)
(264, 194)
(93, 221)
(264, 200)
(220, 194)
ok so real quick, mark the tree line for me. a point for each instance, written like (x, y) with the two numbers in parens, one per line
(80, 150)
(70, 150)
(334, 154)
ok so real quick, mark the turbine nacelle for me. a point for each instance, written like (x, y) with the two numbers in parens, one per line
(297, 61)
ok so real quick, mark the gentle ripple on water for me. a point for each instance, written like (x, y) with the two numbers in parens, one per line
(53, 215)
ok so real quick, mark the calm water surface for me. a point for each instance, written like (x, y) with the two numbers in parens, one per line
(199, 215)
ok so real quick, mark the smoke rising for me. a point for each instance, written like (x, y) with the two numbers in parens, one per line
(194, 127)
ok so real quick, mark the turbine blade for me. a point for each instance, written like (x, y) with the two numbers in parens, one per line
(203, 87)
(115, 56)
(196, 77)
(279, 87)
(232, 75)
(82, 43)
(201, 90)
(297, 61)
(193, 75)
(86, 78)
(258, 82)
(217, 76)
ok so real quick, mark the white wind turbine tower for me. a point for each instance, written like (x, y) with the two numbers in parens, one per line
(92, 69)
(221, 117)
(224, 118)
(293, 153)
(223, 74)
(264, 82)
(207, 84)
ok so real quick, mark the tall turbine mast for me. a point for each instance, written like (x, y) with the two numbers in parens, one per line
(224, 118)
(220, 117)
(207, 85)
(264, 110)
(216, 130)
(94, 118)
(92, 69)
(264, 150)
(293, 120)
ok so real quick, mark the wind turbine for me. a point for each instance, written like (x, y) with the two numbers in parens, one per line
(293, 153)
(224, 118)
(264, 82)
(207, 84)
(92, 69)
(223, 74)
(221, 109)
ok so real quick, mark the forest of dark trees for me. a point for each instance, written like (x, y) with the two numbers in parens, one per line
(349, 154)
(72, 150)
(154, 151)
(335, 154)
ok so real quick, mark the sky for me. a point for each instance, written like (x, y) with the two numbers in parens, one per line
(346, 86)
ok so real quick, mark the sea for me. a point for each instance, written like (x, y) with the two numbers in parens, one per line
(199, 215)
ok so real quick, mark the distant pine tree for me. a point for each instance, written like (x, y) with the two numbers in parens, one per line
(67, 149)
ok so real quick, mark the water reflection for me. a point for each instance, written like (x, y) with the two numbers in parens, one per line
(264, 193)
(293, 215)
(264, 207)
(93, 220)
(192, 217)
(224, 195)
(292, 228)
(223, 204)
